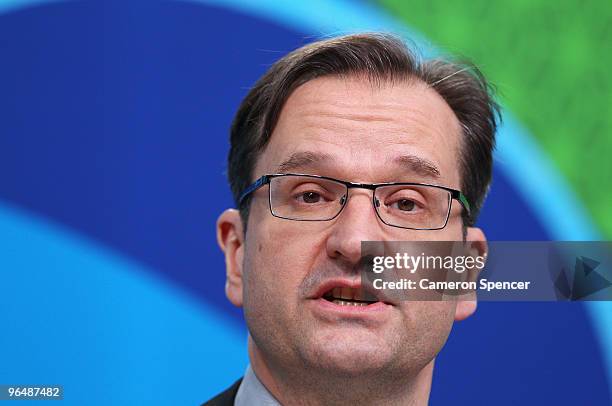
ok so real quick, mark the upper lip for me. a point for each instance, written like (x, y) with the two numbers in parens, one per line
(330, 284)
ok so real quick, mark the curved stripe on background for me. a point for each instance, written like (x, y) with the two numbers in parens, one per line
(10, 5)
(103, 326)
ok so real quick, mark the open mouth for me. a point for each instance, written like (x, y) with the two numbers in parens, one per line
(345, 296)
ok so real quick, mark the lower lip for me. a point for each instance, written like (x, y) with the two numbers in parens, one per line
(376, 307)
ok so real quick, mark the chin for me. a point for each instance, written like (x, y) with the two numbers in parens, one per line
(350, 356)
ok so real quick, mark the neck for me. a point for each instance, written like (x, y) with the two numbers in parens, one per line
(301, 385)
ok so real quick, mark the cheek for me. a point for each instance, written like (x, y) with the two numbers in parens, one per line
(436, 322)
(431, 324)
(279, 254)
(277, 259)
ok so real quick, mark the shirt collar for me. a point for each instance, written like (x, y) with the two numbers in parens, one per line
(252, 392)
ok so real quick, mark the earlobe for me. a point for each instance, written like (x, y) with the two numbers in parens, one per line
(477, 246)
(464, 309)
(230, 238)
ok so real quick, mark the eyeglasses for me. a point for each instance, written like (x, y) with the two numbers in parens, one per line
(415, 206)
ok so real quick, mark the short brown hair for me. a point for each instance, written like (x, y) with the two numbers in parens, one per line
(380, 57)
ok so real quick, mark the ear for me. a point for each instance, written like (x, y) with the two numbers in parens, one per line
(231, 240)
(477, 246)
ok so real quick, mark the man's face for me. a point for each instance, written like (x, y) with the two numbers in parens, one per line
(351, 130)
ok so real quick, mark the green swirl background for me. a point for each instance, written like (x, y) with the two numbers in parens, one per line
(550, 62)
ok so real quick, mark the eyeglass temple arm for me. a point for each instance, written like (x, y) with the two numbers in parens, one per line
(253, 187)
(456, 194)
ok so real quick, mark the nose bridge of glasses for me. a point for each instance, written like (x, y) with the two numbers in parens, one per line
(353, 190)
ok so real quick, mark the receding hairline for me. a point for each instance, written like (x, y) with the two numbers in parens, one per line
(415, 83)
(418, 165)
(308, 93)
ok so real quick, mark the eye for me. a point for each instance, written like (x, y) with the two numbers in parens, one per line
(404, 205)
(310, 197)
(311, 194)
(406, 201)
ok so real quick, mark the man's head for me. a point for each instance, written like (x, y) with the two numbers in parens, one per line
(358, 108)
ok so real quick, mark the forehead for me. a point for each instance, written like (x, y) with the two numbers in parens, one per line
(355, 130)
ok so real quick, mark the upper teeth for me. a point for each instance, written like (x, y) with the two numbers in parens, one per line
(349, 293)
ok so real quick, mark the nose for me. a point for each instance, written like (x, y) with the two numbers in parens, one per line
(357, 222)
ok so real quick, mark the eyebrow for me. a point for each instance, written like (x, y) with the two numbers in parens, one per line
(300, 160)
(418, 165)
(412, 163)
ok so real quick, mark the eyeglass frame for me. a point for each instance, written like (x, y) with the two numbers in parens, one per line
(266, 179)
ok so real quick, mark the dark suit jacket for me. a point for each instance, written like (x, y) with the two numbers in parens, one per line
(225, 398)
